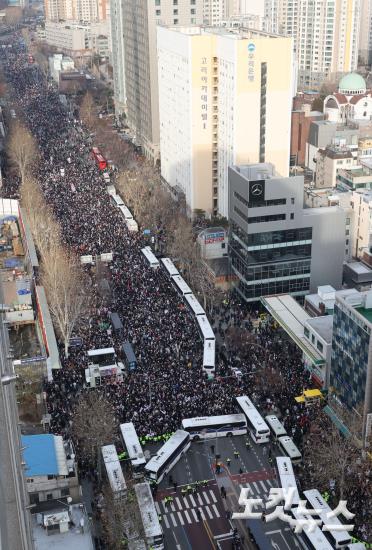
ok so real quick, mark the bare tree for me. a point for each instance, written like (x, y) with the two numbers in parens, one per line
(94, 425)
(87, 109)
(22, 149)
(65, 287)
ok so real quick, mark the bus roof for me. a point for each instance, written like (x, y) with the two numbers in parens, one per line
(103, 351)
(169, 266)
(205, 327)
(113, 469)
(167, 449)
(150, 256)
(316, 501)
(132, 443)
(194, 304)
(252, 414)
(181, 284)
(147, 509)
(275, 424)
(212, 420)
(209, 353)
(287, 477)
(316, 537)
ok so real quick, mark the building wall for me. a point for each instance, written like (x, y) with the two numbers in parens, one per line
(365, 33)
(118, 55)
(300, 129)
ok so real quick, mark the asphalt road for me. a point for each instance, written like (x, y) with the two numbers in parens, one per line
(212, 530)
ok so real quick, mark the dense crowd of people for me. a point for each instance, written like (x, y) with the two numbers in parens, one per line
(168, 383)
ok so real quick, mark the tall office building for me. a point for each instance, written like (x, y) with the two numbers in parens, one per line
(276, 245)
(351, 360)
(325, 33)
(118, 56)
(224, 99)
(365, 32)
(140, 18)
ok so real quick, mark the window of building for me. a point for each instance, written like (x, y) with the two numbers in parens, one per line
(175, 12)
(157, 2)
(65, 492)
(49, 496)
(292, 200)
(319, 345)
(158, 12)
(175, 2)
(50, 477)
(193, 11)
(292, 216)
(175, 21)
(306, 332)
(313, 338)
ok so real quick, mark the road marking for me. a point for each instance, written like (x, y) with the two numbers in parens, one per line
(216, 510)
(256, 487)
(208, 512)
(194, 514)
(213, 496)
(187, 505)
(206, 498)
(192, 500)
(263, 485)
(269, 482)
(172, 507)
(173, 519)
(202, 514)
(180, 518)
(178, 503)
(157, 508)
(187, 516)
(166, 522)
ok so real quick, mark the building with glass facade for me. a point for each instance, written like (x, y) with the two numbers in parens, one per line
(351, 359)
(275, 244)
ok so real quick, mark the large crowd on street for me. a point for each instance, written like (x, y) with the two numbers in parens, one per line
(168, 383)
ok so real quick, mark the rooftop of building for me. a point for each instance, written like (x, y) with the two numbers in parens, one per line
(361, 302)
(326, 295)
(323, 326)
(359, 267)
(356, 172)
(259, 171)
(335, 152)
(45, 454)
(236, 33)
(351, 84)
(77, 537)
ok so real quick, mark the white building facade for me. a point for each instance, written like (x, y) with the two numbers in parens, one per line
(214, 84)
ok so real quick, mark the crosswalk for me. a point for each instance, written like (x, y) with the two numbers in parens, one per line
(182, 511)
(259, 488)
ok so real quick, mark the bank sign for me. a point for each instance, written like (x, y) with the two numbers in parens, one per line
(212, 238)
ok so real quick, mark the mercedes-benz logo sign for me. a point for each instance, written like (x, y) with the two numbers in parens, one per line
(257, 189)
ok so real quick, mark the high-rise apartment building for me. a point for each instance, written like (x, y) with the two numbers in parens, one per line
(87, 11)
(365, 32)
(118, 56)
(140, 18)
(224, 99)
(325, 33)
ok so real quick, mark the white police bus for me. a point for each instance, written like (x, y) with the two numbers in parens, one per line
(338, 538)
(313, 539)
(150, 520)
(194, 305)
(181, 285)
(276, 427)
(114, 472)
(209, 357)
(205, 427)
(167, 456)
(169, 267)
(286, 479)
(287, 446)
(150, 257)
(257, 427)
(133, 447)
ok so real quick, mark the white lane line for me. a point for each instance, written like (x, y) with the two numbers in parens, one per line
(202, 514)
(194, 514)
(157, 507)
(178, 503)
(192, 500)
(180, 518)
(172, 507)
(269, 482)
(166, 522)
(256, 487)
(209, 512)
(173, 520)
(187, 516)
(212, 495)
(263, 485)
(206, 498)
(216, 510)
(187, 505)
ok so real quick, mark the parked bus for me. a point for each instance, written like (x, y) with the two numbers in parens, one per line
(194, 305)
(150, 257)
(167, 456)
(311, 540)
(103, 356)
(276, 427)
(169, 267)
(181, 285)
(286, 479)
(99, 158)
(287, 446)
(338, 538)
(205, 427)
(116, 323)
(114, 472)
(133, 447)
(128, 356)
(257, 427)
(117, 200)
(127, 215)
(205, 328)
(209, 357)
(150, 521)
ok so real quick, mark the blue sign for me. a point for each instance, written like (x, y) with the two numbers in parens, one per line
(147, 232)
(251, 47)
